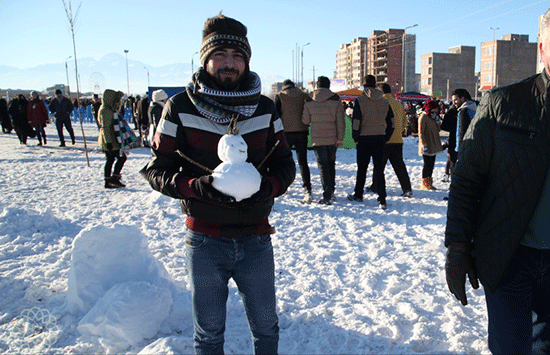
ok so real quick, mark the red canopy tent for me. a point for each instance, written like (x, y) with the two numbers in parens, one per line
(350, 94)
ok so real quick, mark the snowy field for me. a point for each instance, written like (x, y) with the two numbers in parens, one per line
(86, 270)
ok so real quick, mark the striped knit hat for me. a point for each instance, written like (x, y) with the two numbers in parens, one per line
(221, 31)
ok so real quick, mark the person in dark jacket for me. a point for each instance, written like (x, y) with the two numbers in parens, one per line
(61, 107)
(290, 105)
(499, 203)
(466, 112)
(218, 228)
(18, 111)
(5, 116)
(155, 112)
(449, 124)
(38, 117)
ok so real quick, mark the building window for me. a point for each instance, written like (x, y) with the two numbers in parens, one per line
(429, 71)
(429, 81)
(430, 60)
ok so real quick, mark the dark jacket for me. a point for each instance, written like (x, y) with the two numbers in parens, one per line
(183, 129)
(499, 175)
(61, 109)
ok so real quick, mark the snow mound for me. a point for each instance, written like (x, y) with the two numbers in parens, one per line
(128, 313)
(169, 346)
(105, 256)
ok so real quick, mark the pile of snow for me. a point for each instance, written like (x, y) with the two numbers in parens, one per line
(125, 291)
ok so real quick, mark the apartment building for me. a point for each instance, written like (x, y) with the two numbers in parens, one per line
(507, 61)
(385, 54)
(350, 62)
(443, 72)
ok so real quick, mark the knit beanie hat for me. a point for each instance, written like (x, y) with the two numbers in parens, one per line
(220, 32)
(429, 105)
(159, 95)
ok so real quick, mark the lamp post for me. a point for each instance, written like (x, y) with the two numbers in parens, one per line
(67, 72)
(127, 75)
(148, 81)
(302, 60)
(494, 65)
(404, 59)
(192, 67)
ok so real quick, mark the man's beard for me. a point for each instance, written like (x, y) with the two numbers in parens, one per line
(229, 83)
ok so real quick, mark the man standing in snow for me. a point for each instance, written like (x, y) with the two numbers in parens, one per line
(466, 112)
(372, 128)
(499, 202)
(326, 115)
(61, 107)
(393, 149)
(290, 105)
(224, 239)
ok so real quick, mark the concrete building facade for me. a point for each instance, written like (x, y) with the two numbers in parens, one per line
(385, 54)
(507, 61)
(444, 72)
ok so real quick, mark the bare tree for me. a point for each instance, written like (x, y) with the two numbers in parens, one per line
(72, 23)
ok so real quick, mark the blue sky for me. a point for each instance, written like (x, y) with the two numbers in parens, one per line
(36, 32)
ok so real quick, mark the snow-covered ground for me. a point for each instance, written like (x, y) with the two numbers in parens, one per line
(351, 279)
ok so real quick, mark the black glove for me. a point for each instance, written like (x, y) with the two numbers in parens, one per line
(460, 262)
(202, 187)
(263, 193)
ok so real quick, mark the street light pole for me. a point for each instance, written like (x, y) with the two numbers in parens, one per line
(404, 59)
(148, 81)
(302, 63)
(192, 68)
(494, 65)
(67, 72)
(127, 75)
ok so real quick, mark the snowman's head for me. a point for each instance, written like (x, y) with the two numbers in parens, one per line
(232, 148)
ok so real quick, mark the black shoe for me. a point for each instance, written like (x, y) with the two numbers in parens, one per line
(62, 144)
(74, 141)
(324, 201)
(352, 197)
(115, 180)
(407, 194)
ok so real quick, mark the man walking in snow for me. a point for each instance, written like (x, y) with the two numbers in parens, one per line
(372, 128)
(224, 239)
(61, 107)
(499, 202)
(290, 105)
(326, 115)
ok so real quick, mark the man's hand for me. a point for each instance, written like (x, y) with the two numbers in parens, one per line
(202, 187)
(263, 193)
(460, 262)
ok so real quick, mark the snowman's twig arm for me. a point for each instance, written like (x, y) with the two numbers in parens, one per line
(194, 162)
(269, 153)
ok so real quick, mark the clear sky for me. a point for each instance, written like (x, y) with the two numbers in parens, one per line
(35, 32)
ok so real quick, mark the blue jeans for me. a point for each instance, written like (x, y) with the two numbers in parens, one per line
(249, 261)
(524, 292)
(326, 161)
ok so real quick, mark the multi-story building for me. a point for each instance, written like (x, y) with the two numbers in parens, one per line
(444, 72)
(276, 88)
(506, 61)
(350, 62)
(391, 57)
(385, 54)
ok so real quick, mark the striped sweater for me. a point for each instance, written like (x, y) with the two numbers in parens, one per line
(183, 129)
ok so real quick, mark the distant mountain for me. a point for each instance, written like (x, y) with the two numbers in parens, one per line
(109, 72)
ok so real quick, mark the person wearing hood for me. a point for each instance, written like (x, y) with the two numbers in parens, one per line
(429, 141)
(37, 115)
(155, 112)
(18, 110)
(326, 116)
(111, 102)
(290, 106)
(373, 125)
(466, 112)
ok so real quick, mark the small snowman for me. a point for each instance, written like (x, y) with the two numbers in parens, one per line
(235, 176)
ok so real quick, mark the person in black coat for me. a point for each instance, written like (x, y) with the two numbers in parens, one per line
(18, 111)
(5, 116)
